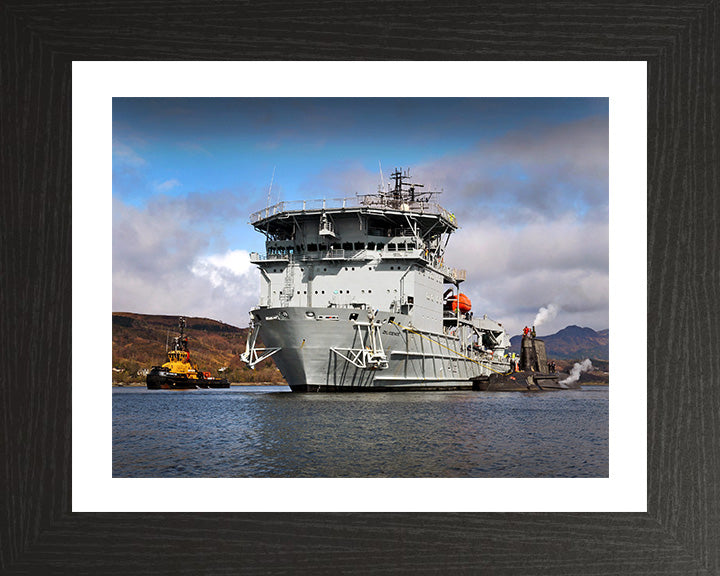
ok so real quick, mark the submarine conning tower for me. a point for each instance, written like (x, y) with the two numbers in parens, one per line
(533, 356)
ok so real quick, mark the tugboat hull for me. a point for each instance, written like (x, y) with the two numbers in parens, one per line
(161, 380)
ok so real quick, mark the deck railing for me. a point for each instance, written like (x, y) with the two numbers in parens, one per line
(351, 202)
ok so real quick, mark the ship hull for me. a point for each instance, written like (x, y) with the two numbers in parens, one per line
(441, 386)
(317, 348)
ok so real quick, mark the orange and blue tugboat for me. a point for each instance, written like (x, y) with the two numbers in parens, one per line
(179, 372)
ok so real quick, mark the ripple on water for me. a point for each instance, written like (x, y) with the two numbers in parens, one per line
(269, 432)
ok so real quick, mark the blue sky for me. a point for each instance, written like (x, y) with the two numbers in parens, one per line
(187, 172)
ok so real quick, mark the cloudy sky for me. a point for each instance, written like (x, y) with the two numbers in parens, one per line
(527, 178)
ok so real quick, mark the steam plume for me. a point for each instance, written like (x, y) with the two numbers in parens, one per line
(545, 314)
(578, 369)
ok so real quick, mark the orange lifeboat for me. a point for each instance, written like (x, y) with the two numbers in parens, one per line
(464, 303)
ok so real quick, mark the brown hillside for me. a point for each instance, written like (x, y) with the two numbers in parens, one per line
(139, 342)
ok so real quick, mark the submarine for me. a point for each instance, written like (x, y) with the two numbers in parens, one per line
(530, 374)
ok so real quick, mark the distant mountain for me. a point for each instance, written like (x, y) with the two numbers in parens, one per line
(573, 343)
(139, 342)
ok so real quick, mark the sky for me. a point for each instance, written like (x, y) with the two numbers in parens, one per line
(526, 177)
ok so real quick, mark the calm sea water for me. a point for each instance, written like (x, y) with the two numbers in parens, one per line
(255, 431)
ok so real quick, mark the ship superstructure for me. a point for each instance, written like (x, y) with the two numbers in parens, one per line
(355, 295)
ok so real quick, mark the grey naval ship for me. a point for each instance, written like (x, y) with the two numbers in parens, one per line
(356, 296)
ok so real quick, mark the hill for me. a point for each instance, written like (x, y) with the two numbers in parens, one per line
(139, 342)
(573, 343)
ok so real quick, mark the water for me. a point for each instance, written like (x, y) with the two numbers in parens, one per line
(264, 432)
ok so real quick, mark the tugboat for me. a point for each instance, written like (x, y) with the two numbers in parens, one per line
(179, 372)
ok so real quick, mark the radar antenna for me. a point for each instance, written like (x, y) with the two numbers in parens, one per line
(399, 193)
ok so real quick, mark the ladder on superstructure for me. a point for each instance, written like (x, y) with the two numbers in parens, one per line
(288, 285)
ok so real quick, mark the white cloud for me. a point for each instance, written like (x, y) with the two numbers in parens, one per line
(167, 185)
(124, 154)
(229, 271)
(514, 271)
(160, 267)
(532, 172)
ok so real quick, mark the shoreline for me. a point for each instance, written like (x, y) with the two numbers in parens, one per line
(142, 384)
(232, 384)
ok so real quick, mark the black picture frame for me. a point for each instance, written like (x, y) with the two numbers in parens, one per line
(680, 533)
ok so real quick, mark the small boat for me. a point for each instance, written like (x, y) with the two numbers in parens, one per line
(179, 372)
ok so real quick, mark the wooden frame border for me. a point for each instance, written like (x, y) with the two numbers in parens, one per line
(680, 532)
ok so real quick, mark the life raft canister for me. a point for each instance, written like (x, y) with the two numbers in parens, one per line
(465, 304)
